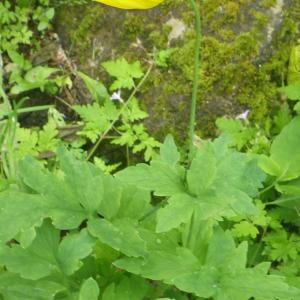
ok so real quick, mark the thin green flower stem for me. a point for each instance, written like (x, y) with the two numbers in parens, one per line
(136, 89)
(195, 77)
(33, 109)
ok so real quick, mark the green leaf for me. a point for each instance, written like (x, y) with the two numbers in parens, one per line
(13, 287)
(169, 152)
(294, 64)
(47, 138)
(179, 210)
(112, 196)
(124, 73)
(158, 177)
(134, 203)
(203, 170)
(284, 153)
(73, 248)
(97, 118)
(26, 211)
(238, 171)
(46, 255)
(129, 288)
(163, 176)
(86, 190)
(291, 91)
(36, 77)
(67, 214)
(133, 112)
(161, 265)
(89, 290)
(239, 135)
(39, 73)
(96, 88)
(225, 276)
(121, 235)
(84, 179)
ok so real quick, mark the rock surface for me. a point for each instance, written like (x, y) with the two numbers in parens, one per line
(245, 51)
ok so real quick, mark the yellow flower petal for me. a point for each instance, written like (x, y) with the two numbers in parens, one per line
(131, 4)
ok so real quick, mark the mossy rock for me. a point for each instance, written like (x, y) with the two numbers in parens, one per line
(245, 50)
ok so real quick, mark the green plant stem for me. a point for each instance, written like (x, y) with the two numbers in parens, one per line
(191, 229)
(153, 210)
(102, 136)
(195, 76)
(33, 108)
(284, 200)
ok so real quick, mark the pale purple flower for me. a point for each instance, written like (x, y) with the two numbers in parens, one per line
(243, 115)
(116, 96)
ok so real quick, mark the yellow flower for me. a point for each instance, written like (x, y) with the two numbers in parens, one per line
(131, 4)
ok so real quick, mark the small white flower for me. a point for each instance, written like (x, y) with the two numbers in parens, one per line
(243, 116)
(116, 96)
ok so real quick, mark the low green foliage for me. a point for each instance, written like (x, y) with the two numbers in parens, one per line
(116, 239)
(19, 21)
(222, 226)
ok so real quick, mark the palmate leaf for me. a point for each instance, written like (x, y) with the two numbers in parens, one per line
(60, 200)
(220, 183)
(46, 254)
(83, 191)
(223, 276)
(229, 278)
(164, 176)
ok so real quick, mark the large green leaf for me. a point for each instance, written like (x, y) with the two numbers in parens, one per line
(72, 249)
(121, 235)
(159, 177)
(81, 192)
(84, 179)
(222, 275)
(225, 276)
(112, 196)
(134, 203)
(61, 202)
(179, 210)
(203, 170)
(169, 152)
(19, 212)
(284, 161)
(13, 287)
(46, 255)
(163, 175)
(161, 265)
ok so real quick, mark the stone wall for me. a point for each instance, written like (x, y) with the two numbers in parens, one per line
(245, 51)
